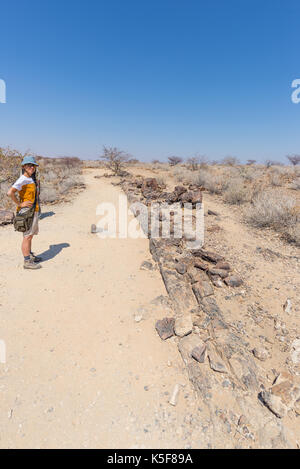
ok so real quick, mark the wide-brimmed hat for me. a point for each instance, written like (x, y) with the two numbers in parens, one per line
(29, 160)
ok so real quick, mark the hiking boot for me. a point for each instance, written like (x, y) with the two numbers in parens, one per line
(35, 258)
(31, 265)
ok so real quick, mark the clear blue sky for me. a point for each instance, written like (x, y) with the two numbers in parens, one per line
(155, 78)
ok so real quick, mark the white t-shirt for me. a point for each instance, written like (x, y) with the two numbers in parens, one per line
(22, 181)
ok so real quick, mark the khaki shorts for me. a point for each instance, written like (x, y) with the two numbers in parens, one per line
(34, 227)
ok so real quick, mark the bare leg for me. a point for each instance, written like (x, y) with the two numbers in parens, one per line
(26, 245)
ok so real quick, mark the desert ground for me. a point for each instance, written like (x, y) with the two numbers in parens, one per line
(85, 366)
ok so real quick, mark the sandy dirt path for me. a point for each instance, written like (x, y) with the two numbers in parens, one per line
(79, 371)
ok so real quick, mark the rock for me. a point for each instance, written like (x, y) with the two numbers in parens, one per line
(6, 217)
(207, 255)
(183, 325)
(181, 268)
(149, 184)
(187, 345)
(161, 300)
(273, 403)
(180, 292)
(217, 282)
(180, 190)
(283, 395)
(196, 275)
(233, 281)
(287, 307)
(146, 265)
(192, 197)
(295, 352)
(201, 265)
(93, 228)
(220, 272)
(174, 397)
(165, 328)
(202, 289)
(222, 265)
(198, 353)
(215, 361)
(212, 212)
(260, 353)
(297, 407)
(138, 318)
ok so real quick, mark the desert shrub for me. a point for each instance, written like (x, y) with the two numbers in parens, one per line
(236, 193)
(295, 185)
(114, 159)
(275, 180)
(48, 194)
(230, 160)
(174, 160)
(181, 174)
(272, 209)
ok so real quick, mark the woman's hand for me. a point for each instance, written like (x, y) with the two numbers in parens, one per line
(25, 204)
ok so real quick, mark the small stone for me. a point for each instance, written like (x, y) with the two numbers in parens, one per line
(93, 228)
(283, 395)
(223, 266)
(273, 403)
(138, 318)
(287, 307)
(295, 352)
(181, 268)
(212, 212)
(202, 289)
(297, 407)
(165, 328)
(215, 361)
(146, 265)
(233, 281)
(242, 420)
(220, 272)
(260, 353)
(198, 353)
(183, 325)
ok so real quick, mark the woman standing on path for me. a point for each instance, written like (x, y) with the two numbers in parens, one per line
(27, 188)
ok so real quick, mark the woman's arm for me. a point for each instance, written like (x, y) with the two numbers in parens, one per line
(12, 194)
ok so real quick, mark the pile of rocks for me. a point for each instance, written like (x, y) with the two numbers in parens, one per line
(219, 361)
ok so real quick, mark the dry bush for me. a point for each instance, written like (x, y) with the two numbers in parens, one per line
(295, 185)
(236, 193)
(230, 161)
(58, 177)
(275, 180)
(92, 164)
(174, 160)
(115, 159)
(272, 209)
(48, 194)
(10, 170)
(182, 175)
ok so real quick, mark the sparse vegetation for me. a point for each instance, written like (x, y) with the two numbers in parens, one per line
(174, 160)
(294, 159)
(115, 159)
(272, 209)
(58, 176)
(236, 193)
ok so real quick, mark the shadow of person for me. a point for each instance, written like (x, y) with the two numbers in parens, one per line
(46, 214)
(53, 250)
